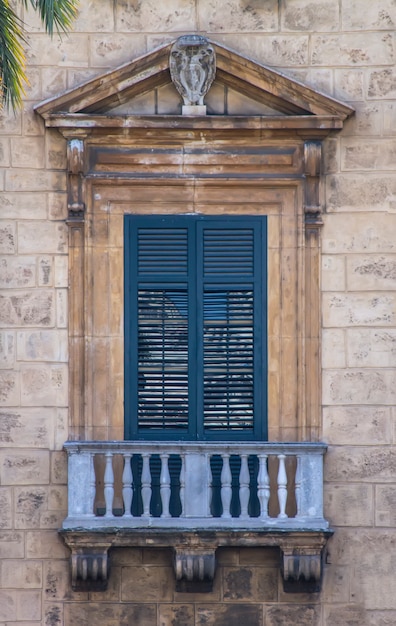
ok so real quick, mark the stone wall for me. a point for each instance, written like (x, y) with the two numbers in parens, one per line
(345, 48)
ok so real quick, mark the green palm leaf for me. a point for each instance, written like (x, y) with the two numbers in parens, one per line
(56, 15)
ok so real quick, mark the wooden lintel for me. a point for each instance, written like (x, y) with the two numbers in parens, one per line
(67, 122)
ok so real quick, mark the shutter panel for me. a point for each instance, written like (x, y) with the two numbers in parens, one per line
(229, 284)
(195, 315)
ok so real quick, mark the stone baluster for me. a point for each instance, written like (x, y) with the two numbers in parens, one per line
(109, 484)
(298, 485)
(244, 486)
(263, 486)
(210, 486)
(226, 490)
(92, 484)
(165, 485)
(127, 485)
(282, 487)
(182, 492)
(146, 484)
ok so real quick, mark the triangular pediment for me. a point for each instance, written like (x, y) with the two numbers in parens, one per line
(242, 87)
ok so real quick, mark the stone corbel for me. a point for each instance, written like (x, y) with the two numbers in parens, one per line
(312, 172)
(75, 161)
(302, 569)
(194, 569)
(89, 564)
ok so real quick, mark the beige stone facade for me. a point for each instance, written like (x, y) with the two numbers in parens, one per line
(345, 49)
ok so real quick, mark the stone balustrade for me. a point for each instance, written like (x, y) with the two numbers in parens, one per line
(174, 485)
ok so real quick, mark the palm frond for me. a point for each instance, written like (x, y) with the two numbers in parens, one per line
(12, 57)
(55, 14)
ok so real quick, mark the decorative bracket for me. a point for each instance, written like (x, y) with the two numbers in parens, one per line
(302, 569)
(75, 162)
(89, 564)
(312, 172)
(194, 569)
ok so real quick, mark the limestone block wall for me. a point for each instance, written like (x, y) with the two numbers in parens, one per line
(345, 48)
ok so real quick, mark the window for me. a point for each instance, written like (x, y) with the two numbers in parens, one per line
(195, 327)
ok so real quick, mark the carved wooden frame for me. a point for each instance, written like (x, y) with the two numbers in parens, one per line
(105, 182)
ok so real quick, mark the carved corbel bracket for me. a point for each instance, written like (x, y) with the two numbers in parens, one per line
(75, 162)
(89, 564)
(302, 569)
(312, 172)
(194, 569)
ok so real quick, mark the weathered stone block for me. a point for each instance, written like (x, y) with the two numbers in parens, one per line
(45, 544)
(61, 271)
(17, 574)
(233, 15)
(353, 49)
(24, 467)
(100, 20)
(57, 206)
(7, 349)
(354, 309)
(146, 583)
(6, 517)
(27, 152)
(44, 345)
(333, 348)
(17, 272)
(371, 154)
(109, 50)
(361, 464)
(4, 153)
(371, 272)
(381, 618)
(382, 83)
(250, 583)
(8, 605)
(34, 180)
(357, 233)
(358, 15)
(23, 205)
(279, 50)
(171, 614)
(292, 615)
(9, 388)
(371, 192)
(343, 505)
(349, 86)
(12, 545)
(174, 15)
(27, 428)
(333, 272)
(368, 120)
(55, 150)
(27, 308)
(61, 308)
(69, 51)
(54, 80)
(390, 119)
(57, 585)
(29, 506)
(83, 613)
(359, 387)
(315, 16)
(363, 425)
(35, 237)
(7, 238)
(45, 271)
(44, 385)
(371, 348)
(59, 467)
(229, 615)
(346, 615)
(335, 585)
(60, 428)
(53, 615)
(385, 514)
(29, 605)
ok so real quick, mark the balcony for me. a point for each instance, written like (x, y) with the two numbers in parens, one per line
(194, 498)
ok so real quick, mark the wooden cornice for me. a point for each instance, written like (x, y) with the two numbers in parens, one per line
(90, 104)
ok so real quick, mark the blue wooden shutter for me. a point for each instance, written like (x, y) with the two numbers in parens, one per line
(195, 327)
